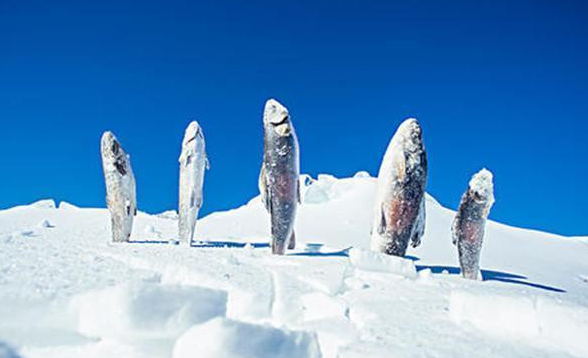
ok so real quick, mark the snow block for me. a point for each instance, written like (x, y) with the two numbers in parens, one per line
(146, 310)
(44, 204)
(375, 261)
(64, 205)
(248, 306)
(555, 324)
(225, 338)
(318, 305)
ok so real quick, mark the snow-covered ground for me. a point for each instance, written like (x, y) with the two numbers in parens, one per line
(67, 291)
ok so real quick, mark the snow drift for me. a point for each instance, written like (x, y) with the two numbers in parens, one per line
(67, 291)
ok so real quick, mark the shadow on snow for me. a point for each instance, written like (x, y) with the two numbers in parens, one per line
(489, 275)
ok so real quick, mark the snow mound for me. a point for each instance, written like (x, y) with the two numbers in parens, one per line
(168, 214)
(225, 338)
(375, 261)
(319, 191)
(362, 174)
(557, 324)
(146, 310)
(64, 205)
(44, 204)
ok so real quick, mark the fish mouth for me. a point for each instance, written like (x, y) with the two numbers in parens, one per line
(193, 138)
(277, 121)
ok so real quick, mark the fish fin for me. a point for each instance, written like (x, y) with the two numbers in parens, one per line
(119, 164)
(298, 192)
(263, 189)
(198, 201)
(292, 242)
(419, 228)
(192, 199)
(382, 225)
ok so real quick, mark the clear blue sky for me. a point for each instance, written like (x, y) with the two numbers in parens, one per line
(497, 84)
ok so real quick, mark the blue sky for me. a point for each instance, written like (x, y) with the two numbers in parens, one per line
(497, 84)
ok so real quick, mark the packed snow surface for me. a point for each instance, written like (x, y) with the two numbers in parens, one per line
(67, 291)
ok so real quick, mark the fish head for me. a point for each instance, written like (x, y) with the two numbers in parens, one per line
(277, 118)
(193, 132)
(109, 145)
(411, 132)
(113, 156)
(481, 187)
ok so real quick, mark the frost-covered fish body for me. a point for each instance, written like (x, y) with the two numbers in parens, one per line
(120, 187)
(399, 213)
(193, 163)
(470, 222)
(278, 180)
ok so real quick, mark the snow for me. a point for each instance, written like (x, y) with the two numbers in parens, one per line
(225, 338)
(376, 261)
(542, 319)
(44, 204)
(68, 291)
(146, 310)
(67, 206)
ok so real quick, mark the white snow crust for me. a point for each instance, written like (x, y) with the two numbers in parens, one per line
(225, 338)
(67, 291)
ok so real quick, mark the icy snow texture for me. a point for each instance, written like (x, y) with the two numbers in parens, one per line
(544, 319)
(44, 204)
(146, 310)
(378, 262)
(225, 338)
(353, 312)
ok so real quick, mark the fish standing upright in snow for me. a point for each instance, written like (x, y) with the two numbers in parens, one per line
(120, 187)
(193, 163)
(470, 221)
(278, 180)
(399, 214)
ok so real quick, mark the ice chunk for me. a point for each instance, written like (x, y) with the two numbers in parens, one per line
(67, 206)
(225, 338)
(146, 310)
(168, 214)
(362, 174)
(44, 204)
(151, 232)
(319, 191)
(375, 261)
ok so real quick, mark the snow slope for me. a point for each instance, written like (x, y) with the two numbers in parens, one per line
(66, 291)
